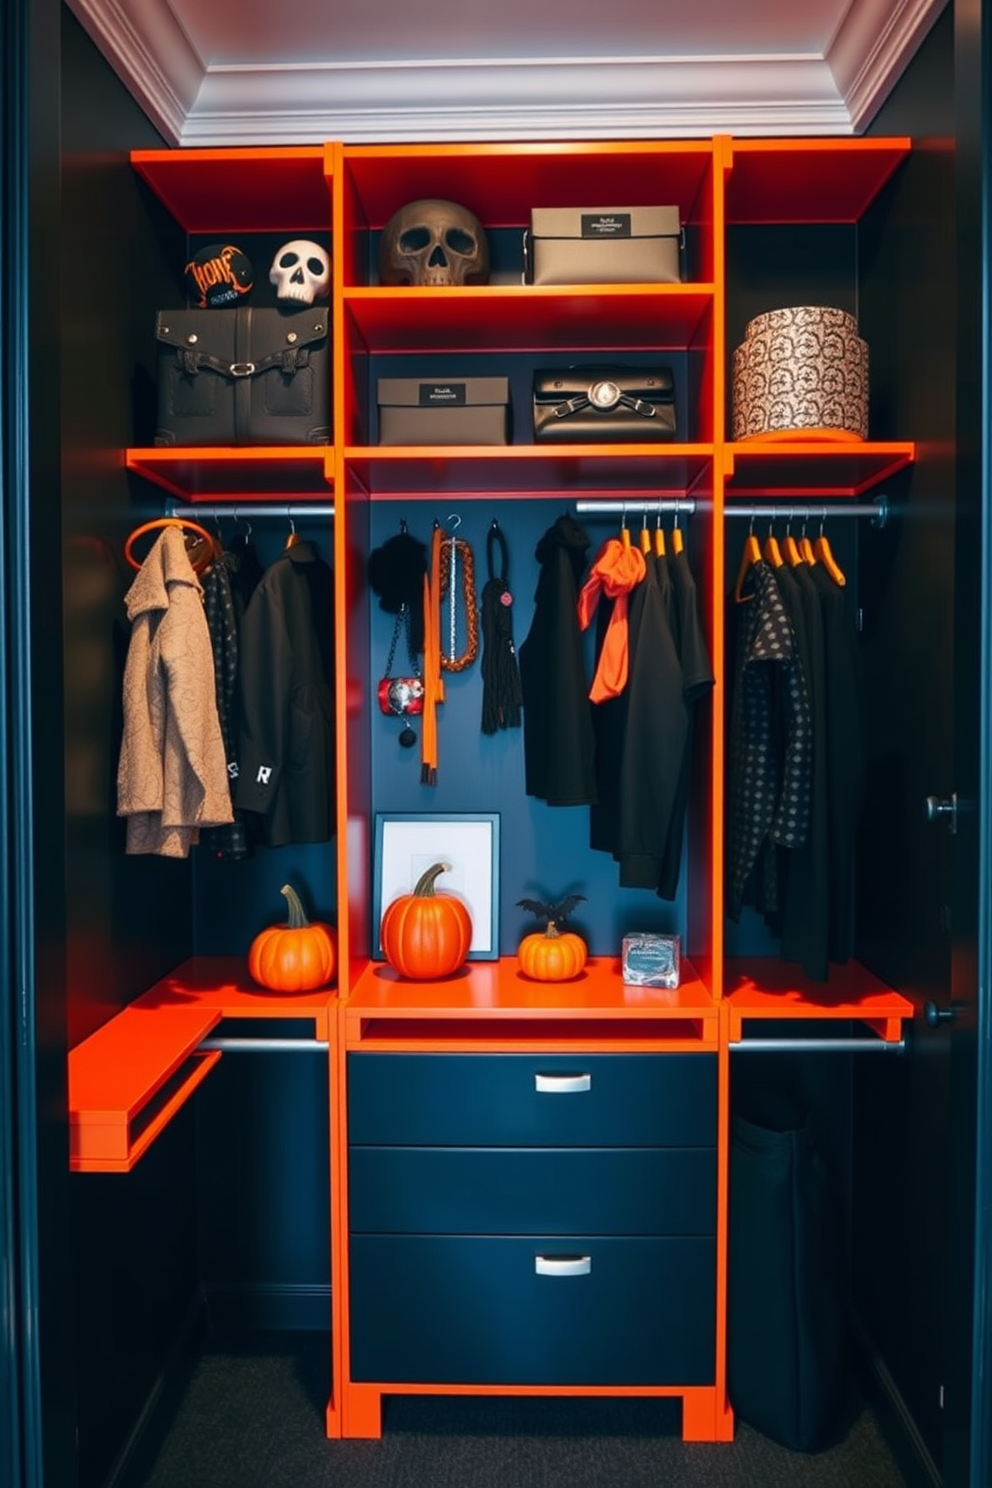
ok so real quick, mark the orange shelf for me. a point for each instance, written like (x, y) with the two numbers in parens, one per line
(221, 984)
(523, 470)
(130, 1077)
(491, 1004)
(808, 180)
(803, 469)
(500, 183)
(767, 988)
(128, 1080)
(579, 318)
(245, 473)
(229, 191)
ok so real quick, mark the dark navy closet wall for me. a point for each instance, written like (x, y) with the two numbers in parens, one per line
(545, 849)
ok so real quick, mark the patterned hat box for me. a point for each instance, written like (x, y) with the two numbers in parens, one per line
(801, 371)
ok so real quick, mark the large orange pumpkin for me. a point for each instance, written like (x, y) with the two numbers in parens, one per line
(299, 956)
(551, 956)
(426, 934)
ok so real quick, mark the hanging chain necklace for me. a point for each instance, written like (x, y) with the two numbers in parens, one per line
(455, 549)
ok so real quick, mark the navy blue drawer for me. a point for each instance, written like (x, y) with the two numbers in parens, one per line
(532, 1100)
(429, 1308)
(533, 1190)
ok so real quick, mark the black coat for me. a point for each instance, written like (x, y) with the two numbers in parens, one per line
(286, 755)
(558, 742)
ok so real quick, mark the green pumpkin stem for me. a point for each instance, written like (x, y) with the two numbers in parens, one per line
(297, 919)
(425, 883)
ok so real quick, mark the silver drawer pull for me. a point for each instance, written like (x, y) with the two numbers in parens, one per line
(562, 1084)
(574, 1265)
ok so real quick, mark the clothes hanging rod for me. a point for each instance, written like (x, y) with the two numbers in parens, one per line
(247, 510)
(817, 1046)
(677, 505)
(266, 1045)
(805, 511)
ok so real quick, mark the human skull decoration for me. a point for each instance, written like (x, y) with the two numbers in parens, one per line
(433, 242)
(301, 272)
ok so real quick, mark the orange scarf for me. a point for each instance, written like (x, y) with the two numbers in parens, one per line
(617, 569)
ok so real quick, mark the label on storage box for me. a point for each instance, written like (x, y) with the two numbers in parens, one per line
(606, 224)
(442, 394)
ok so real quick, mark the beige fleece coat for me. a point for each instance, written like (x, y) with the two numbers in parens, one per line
(172, 774)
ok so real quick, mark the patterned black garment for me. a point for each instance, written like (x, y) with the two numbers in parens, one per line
(770, 742)
(229, 841)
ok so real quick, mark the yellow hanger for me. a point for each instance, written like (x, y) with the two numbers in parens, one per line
(750, 556)
(625, 530)
(825, 554)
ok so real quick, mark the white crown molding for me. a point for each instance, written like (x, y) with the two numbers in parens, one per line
(501, 100)
(560, 98)
(872, 47)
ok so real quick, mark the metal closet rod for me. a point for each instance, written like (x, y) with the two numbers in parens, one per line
(678, 505)
(245, 511)
(805, 511)
(266, 1045)
(817, 1046)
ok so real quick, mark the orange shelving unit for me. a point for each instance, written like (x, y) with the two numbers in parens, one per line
(130, 1077)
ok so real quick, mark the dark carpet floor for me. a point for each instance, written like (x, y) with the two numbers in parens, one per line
(252, 1416)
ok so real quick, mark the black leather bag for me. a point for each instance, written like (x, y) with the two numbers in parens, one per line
(604, 403)
(244, 376)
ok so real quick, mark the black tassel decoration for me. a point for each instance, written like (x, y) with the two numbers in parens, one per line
(502, 696)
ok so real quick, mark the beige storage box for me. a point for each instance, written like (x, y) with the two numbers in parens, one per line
(603, 245)
(801, 371)
(456, 410)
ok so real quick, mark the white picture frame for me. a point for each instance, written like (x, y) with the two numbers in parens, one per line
(408, 843)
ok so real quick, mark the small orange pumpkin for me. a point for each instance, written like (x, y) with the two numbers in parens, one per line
(299, 956)
(426, 934)
(551, 955)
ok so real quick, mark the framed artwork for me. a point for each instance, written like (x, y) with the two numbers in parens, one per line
(407, 844)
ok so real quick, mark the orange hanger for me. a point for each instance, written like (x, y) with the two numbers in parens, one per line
(659, 538)
(750, 556)
(645, 540)
(200, 562)
(676, 532)
(773, 553)
(806, 548)
(825, 554)
(292, 537)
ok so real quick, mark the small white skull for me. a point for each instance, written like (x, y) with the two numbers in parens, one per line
(301, 271)
(433, 242)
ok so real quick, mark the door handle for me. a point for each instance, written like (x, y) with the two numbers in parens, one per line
(943, 810)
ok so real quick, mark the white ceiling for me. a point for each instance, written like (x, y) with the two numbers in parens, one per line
(235, 72)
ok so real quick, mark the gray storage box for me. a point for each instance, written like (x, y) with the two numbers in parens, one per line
(603, 245)
(456, 410)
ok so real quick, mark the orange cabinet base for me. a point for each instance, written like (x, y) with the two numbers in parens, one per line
(706, 1414)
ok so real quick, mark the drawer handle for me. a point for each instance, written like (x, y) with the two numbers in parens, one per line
(574, 1265)
(562, 1084)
